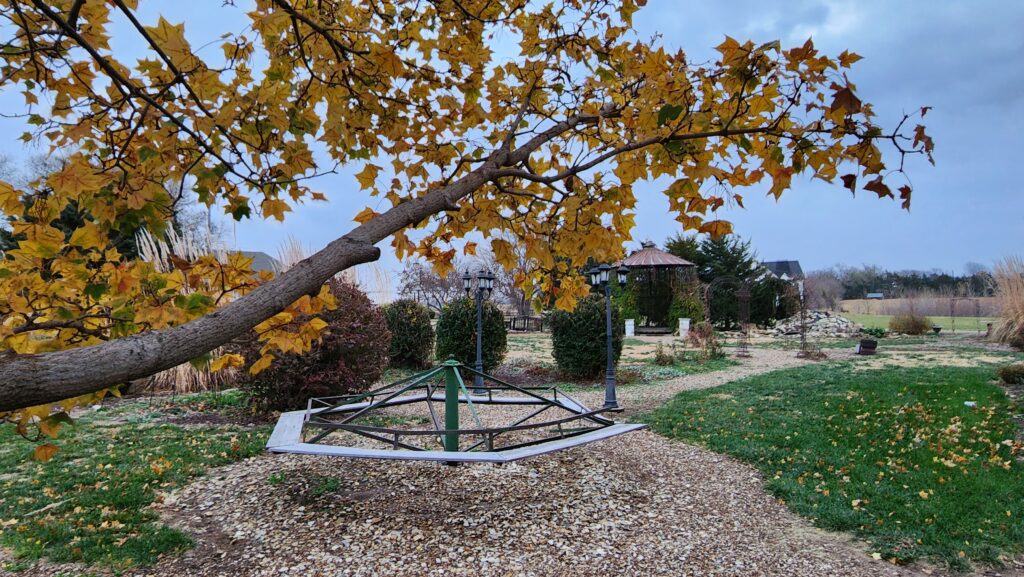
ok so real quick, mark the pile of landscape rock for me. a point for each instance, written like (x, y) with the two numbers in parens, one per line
(819, 324)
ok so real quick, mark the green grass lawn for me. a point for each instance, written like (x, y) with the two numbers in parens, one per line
(891, 455)
(963, 324)
(90, 502)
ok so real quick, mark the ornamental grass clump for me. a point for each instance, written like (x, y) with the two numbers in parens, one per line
(1012, 374)
(1009, 278)
(910, 324)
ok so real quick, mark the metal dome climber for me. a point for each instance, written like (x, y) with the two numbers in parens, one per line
(508, 423)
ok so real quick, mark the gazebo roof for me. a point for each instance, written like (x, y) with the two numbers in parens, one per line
(651, 256)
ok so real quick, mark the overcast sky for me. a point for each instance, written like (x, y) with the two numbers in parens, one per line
(962, 58)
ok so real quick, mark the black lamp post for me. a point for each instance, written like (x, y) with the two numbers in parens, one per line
(599, 277)
(484, 286)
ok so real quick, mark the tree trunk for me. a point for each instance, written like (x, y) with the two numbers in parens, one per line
(35, 379)
(28, 380)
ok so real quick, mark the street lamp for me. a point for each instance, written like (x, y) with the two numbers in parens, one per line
(484, 286)
(599, 277)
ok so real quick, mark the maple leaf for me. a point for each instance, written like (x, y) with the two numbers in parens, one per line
(365, 215)
(847, 58)
(262, 363)
(368, 177)
(845, 99)
(228, 360)
(850, 182)
(878, 187)
(76, 178)
(716, 228)
(905, 192)
(170, 38)
(44, 452)
(275, 208)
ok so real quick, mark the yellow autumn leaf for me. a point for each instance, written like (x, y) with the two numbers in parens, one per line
(923, 494)
(503, 252)
(368, 176)
(228, 360)
(76, 178)
(10, 200)
(87, 235)
(261, 364)
(365, 215)
(716, 228)
(317, 324)
(45, 452)
(171, 40)
(273, 207)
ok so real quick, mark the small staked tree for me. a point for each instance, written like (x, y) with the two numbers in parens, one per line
(546, 146)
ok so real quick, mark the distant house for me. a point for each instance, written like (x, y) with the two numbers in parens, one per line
(261, 261)
(875, 296)
(787, 269)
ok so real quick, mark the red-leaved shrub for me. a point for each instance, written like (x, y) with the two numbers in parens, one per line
(349, 358)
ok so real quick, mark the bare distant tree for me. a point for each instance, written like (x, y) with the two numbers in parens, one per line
(507, 282)
(824, 290)
(420, 283)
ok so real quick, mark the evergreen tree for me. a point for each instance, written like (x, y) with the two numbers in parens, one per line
(686, 247)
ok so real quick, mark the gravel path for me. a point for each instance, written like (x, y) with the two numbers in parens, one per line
(639, 505)
(642, 398)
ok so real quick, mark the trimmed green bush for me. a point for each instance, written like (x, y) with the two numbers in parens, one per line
(349, 357)
(910, 324)
(456, 333)
(1012, 374)
(578, 338)
(412, 338)
(877, 332)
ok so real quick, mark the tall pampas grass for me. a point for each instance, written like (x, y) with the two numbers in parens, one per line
(1009, 278)
(186, 377)
(192, 378)
(370, 277)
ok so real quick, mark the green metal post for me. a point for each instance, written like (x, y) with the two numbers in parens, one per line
(451, 405)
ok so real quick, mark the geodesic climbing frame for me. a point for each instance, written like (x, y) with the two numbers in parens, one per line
(420, 418)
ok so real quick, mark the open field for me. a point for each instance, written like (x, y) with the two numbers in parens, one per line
(969, 324)
(985, 306)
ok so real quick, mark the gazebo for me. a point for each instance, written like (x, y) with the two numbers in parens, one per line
(655, 276)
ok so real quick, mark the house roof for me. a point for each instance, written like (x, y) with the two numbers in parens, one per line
(651, 256)
(790, 268)
(262, 261)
